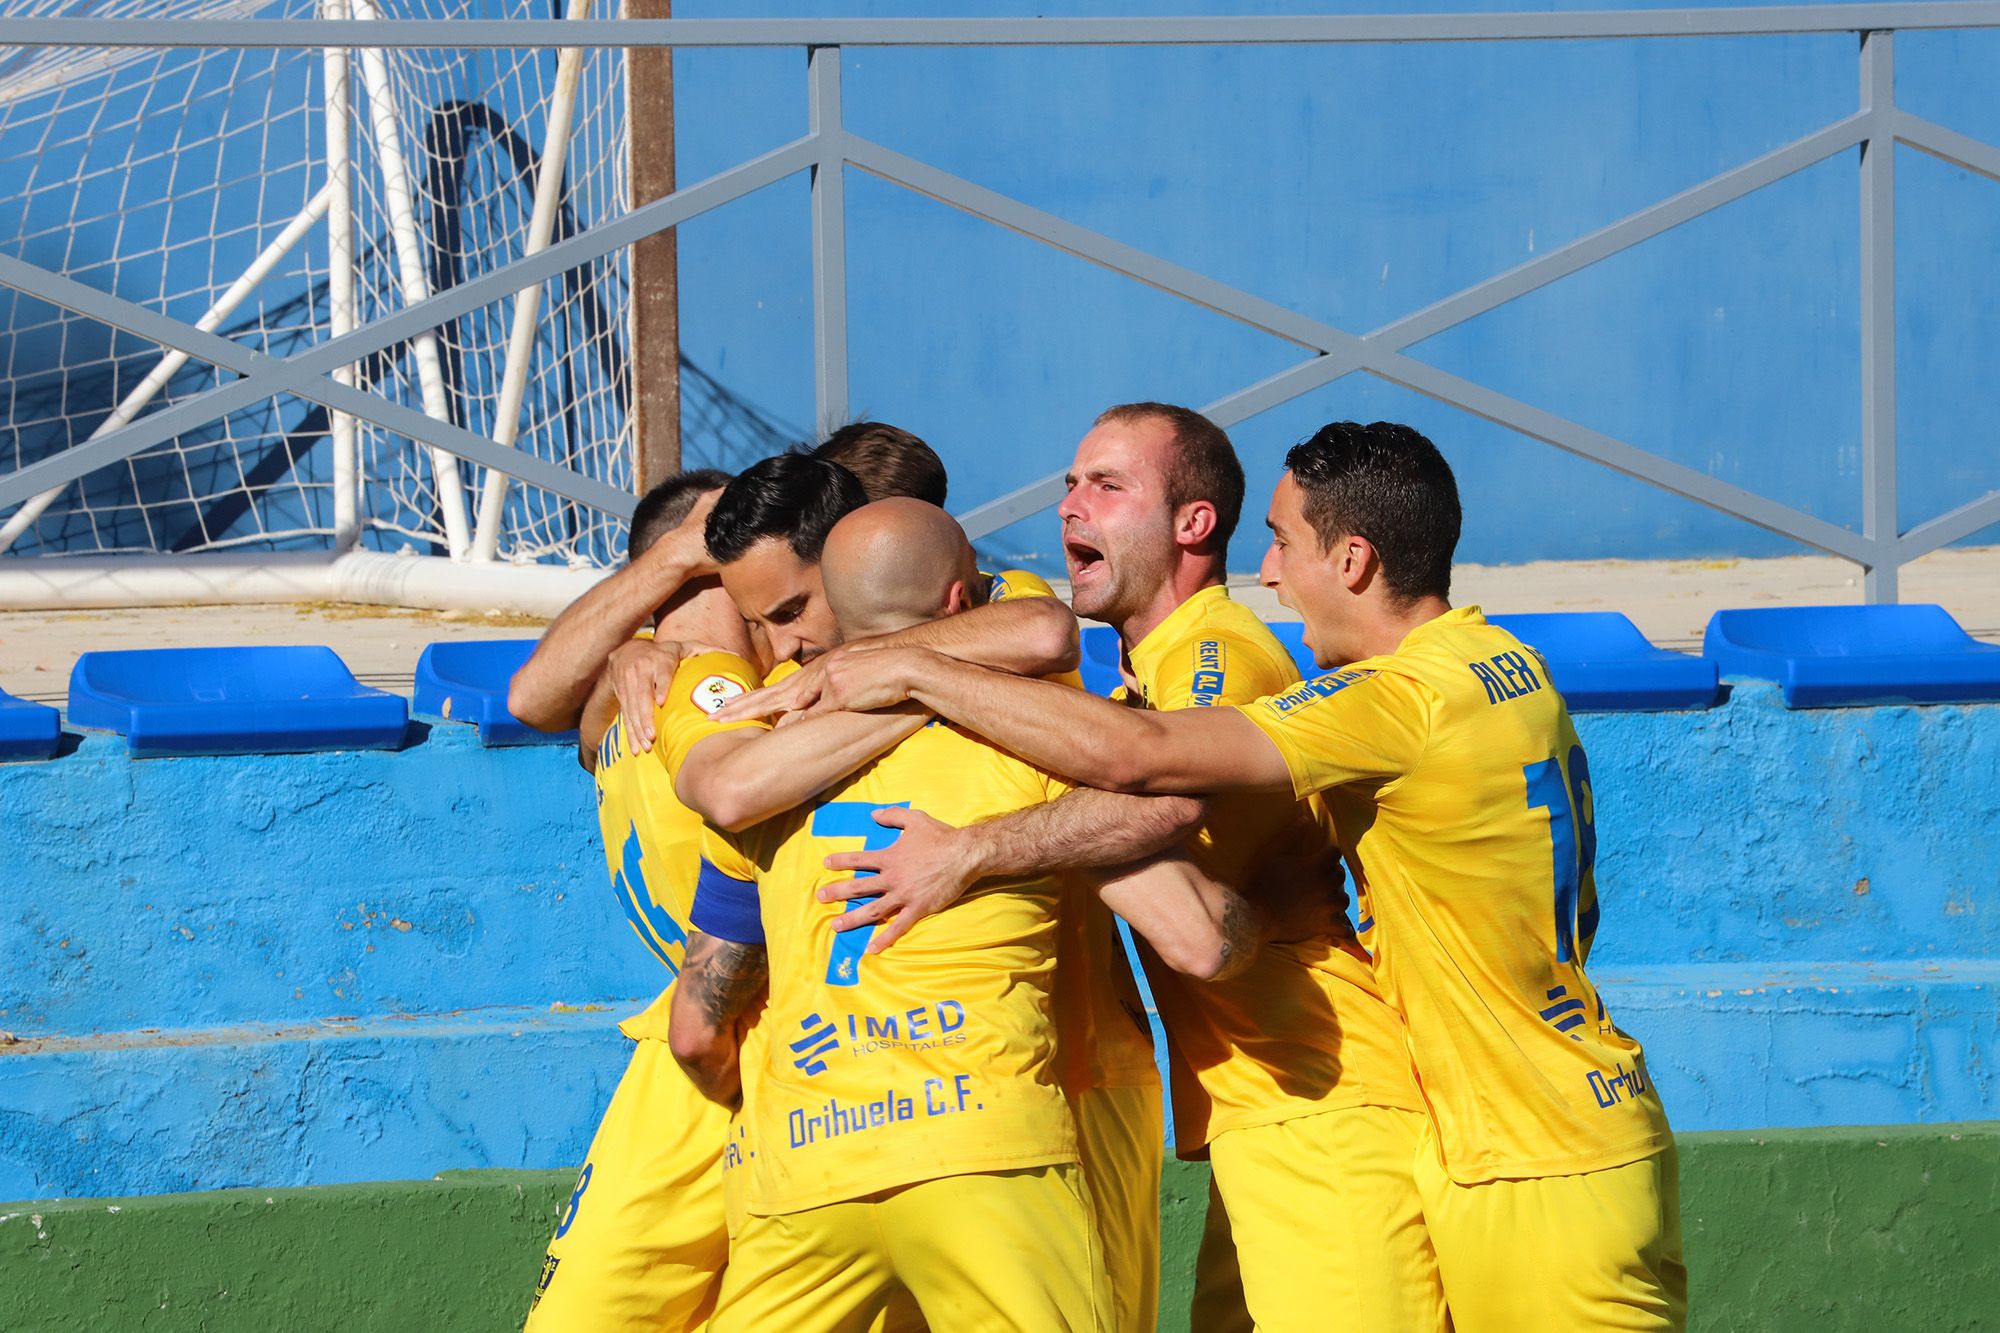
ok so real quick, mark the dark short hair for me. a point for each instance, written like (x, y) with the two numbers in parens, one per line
(887, 460)
(1385, 482)
(1204, 465)
(663, 508)
(796, 497)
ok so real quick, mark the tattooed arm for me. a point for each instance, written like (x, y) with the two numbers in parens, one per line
(1198, 925)
(719, 983)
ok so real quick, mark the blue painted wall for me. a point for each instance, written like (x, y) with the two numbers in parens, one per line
(1357, 185)
(293, 970)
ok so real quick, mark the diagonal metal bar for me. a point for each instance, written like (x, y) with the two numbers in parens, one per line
(1347, 350)
(492, 34)
(1039, 494)
(305, 373)
(1970, 154)
(1623, 234)
(1280, 388)
(269, 371)
(1491, 405)
(1948, 527)
(1099, 249)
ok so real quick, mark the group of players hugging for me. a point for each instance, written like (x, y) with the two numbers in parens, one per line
(854, 798)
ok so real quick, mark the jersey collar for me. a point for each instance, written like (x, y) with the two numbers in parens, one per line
(1146, 653)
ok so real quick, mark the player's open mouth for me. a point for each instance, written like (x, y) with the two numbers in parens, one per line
(1084, 559)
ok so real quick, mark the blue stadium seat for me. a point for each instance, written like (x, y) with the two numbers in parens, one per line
(264, 700)
(1099, 669)
(1293, 635)
(28, 730)
(1602, 663)
(467, 682)
(1826, 656)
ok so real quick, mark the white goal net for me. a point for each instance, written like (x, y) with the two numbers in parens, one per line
(198, 183)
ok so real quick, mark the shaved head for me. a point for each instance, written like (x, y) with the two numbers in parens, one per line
(896, 563)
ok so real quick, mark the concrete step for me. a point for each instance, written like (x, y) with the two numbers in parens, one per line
(1753, 831)
(142, 1112)
(1751, 1046)
(156, 1111)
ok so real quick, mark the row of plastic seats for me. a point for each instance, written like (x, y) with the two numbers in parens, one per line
(270, 700)
(1819, 656)
(264, 700)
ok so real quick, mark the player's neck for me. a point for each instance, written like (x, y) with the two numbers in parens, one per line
(1392, 622)
(1189, 577)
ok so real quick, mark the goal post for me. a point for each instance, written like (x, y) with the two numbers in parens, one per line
(282, 198)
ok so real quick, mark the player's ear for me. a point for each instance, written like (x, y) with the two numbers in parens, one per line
(1194, 523)
(957, 598)
(1360, 563)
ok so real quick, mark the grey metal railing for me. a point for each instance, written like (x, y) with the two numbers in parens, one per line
(829, 148)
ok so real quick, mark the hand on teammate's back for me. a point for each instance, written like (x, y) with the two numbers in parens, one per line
(926, 869)
(640, 673)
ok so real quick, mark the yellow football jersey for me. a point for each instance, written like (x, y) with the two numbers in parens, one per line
(652, 845)
(935, 1058)
(1463, 802)
(1106, 1041)
(1304, 1028)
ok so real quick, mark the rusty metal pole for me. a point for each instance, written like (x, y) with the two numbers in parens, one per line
(656, 309)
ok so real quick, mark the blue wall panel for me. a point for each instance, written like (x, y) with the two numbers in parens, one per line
(1357, 185)
(286, 970)
(284, 888)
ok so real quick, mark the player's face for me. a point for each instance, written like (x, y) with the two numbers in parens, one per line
(1117, 527)
(1306, 578)
(782, 599)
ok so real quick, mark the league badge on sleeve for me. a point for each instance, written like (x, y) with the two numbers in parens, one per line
(715, 691)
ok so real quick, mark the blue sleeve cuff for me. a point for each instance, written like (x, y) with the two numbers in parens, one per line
(726, 907)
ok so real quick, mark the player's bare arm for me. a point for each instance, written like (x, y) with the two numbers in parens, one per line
(1027, 636)
(551, 688)
(1195, 923)
(720, 981)
(598, 715)
(1090, 740)
(739, 778)
(931, 864)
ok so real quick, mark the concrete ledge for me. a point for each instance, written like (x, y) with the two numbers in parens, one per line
(146, 1113)
(1858, 1229)
(1737, 1046)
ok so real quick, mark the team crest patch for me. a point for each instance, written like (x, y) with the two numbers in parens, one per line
(549, 1262)
(714, 692)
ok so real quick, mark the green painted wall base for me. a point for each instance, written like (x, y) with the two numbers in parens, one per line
(1825, 1229)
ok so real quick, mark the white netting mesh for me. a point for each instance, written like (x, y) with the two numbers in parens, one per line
(161, 176)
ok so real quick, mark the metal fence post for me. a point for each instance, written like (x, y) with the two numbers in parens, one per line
(1879, 517)
(829, 240)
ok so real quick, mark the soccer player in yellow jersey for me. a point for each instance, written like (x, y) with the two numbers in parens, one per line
(764, 535)
(1464, 805)
(1294, 1076)
(865, 1188)
(642, 1242)
(589, 664)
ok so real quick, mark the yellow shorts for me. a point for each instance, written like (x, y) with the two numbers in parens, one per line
(1319, 1213)
(1122, 1135)
(642, 1243)
(1600, 1250)
(1001, 1250)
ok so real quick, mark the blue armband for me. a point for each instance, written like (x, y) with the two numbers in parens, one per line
(725, 907)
